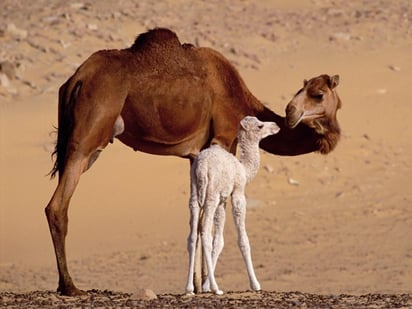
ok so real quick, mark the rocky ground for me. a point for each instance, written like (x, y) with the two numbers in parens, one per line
(109, 299)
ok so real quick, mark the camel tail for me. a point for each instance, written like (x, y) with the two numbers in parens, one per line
(67, 98)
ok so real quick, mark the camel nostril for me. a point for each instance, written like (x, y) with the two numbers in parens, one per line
(290, 109)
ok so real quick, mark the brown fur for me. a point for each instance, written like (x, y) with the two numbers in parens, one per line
(159, 97)
(316, 105)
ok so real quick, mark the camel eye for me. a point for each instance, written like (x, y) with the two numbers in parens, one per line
(260, 126)
(318, 96)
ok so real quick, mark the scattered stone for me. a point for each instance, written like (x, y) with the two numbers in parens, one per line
(4, 80)
(143, 294)
(15, 32)
(382, 91)
(8, 69)
(394, 68)
(78, 6)
(293, 182)
(268, 168)
(340, 36)
(92, 27)
(339, 194)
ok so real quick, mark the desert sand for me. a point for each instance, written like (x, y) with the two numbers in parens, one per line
(334, 224)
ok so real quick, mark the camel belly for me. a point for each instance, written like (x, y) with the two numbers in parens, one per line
(188, 147)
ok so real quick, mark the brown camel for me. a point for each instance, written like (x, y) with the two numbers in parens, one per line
(163, 97)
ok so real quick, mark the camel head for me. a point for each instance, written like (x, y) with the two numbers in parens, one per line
(315, 104)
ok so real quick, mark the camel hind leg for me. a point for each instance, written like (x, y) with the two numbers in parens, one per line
(56, 212)
(85, 143)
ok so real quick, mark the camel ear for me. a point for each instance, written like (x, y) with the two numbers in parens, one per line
(305, 82)
(334, 81)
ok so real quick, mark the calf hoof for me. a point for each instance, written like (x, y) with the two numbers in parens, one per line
(256, 287)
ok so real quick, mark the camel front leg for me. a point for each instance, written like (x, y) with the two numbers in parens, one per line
(239, 216)
(56, 212)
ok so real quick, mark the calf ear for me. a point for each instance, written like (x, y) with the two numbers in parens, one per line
(334, 81)
(243, 123)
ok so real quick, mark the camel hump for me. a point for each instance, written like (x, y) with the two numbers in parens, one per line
(154, 38)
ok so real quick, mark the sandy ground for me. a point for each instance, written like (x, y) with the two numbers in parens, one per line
(334, 224)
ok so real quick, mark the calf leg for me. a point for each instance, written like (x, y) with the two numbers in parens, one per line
(218, 240)
(206, 235)
(239, 216)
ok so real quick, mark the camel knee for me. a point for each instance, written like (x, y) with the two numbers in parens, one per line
(57, 219)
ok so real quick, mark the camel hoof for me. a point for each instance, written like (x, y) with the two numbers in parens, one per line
(70, 291)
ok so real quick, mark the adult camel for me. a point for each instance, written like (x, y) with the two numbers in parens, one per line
(163, 97)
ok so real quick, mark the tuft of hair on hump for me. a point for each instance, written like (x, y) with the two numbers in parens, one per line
(155, 37)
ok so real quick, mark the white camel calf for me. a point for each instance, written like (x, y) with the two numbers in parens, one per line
(214, 176)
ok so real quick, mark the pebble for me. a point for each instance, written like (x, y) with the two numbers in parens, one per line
(293, 182)
(4, 80)
(143, 294)
(15, 32)
(394, 68)
(268, 168)
(340, 36)
(8, 69)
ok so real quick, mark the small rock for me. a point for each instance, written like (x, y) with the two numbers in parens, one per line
(143, 294)
(92, 27)
(381, 91)
(268, 168)
(340, 36)
(339, 194)
(4, 80)
(78, 6)
(293, 182)
(8, 68)
(394, 68)
(16, 32)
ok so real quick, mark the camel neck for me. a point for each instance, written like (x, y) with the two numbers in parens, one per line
(288, 142)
